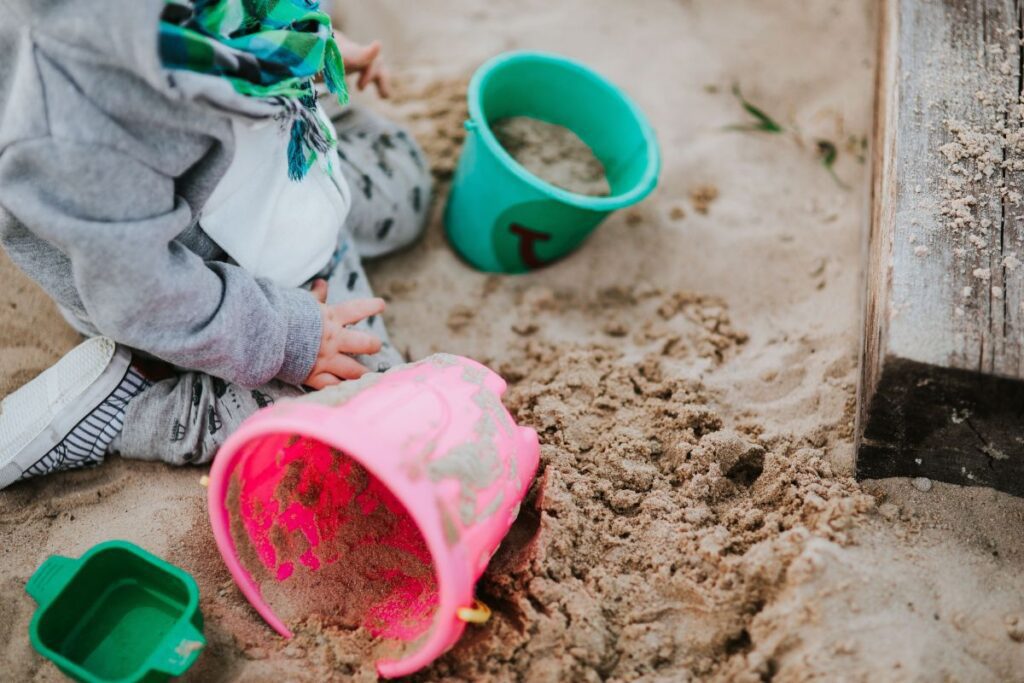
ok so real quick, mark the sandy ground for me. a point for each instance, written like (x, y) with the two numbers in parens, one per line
(691, 371)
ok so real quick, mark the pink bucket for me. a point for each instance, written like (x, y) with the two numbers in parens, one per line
(385, 498)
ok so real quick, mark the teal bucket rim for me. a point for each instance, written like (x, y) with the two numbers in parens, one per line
(643, 187)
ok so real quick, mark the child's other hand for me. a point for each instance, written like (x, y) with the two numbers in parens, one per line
(334, 363)
(365, 60)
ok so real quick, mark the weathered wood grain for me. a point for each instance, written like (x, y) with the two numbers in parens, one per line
(943, 351)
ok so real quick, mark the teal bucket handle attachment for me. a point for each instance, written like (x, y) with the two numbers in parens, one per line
(49, 579)
(179, 651)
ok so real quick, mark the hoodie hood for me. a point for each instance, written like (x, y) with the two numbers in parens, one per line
(259, 76)
(121, 34)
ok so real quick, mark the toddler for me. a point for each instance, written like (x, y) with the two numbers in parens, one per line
(179, 177)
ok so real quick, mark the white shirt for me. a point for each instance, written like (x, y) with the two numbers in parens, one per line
(275, 227)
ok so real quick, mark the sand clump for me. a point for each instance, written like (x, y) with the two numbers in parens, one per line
(554, 154)
(702, 198)
(324, 652)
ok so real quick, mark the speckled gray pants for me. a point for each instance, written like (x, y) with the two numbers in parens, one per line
(185, 418)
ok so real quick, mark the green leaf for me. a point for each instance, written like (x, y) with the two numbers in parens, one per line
(763, 123)
(828, 153)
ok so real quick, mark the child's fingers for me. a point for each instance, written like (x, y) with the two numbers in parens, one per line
(372, 53)
(319, 290)
(366, 77)
(351, 312)
(377, 75)
(322, 381)
(384, 83)
(362, 58)
(358, 343)
(342, 366)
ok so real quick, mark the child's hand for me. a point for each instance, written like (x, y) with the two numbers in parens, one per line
(334, 363)
(365, 61)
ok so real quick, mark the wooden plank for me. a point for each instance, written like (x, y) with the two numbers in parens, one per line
(941, 394)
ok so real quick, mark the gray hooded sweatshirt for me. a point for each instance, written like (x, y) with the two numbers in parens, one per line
(105, 166)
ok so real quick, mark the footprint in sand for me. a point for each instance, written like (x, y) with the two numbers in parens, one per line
(64, 492)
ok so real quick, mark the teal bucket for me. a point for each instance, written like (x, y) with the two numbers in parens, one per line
(500, 217)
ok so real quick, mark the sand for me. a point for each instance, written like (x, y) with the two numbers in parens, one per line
(360, 560)
(692, 376)
(553, 153)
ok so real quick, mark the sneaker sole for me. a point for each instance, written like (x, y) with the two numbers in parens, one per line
(38, 416)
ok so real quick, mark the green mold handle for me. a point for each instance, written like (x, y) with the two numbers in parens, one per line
(181, 648)
(470, 125)
(50, 578)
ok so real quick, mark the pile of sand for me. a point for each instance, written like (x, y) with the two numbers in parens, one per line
(691, 372)
(660, 533)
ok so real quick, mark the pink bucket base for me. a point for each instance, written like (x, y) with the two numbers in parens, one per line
(385, 506)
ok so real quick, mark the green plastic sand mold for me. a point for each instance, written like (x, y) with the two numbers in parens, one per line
(118, 613)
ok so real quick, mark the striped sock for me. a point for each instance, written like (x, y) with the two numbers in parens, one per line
(89, 441)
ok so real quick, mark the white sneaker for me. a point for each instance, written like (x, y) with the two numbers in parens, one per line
(67, 417)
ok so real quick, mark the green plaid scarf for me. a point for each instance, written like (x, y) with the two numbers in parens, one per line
(266, 49)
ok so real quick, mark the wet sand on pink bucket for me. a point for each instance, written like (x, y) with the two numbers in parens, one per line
(343, 592)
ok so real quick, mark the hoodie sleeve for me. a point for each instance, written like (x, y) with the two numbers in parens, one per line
(117, 221)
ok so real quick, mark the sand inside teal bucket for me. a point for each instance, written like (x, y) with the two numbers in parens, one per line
(554, 154)
(334, 554)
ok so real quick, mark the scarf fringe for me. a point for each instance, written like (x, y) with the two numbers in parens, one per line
(334, 73)
(298, 165)
(307, 137)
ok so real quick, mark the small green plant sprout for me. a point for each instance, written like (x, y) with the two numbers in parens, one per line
(762, 123)
(828, 154)
(826, 150)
